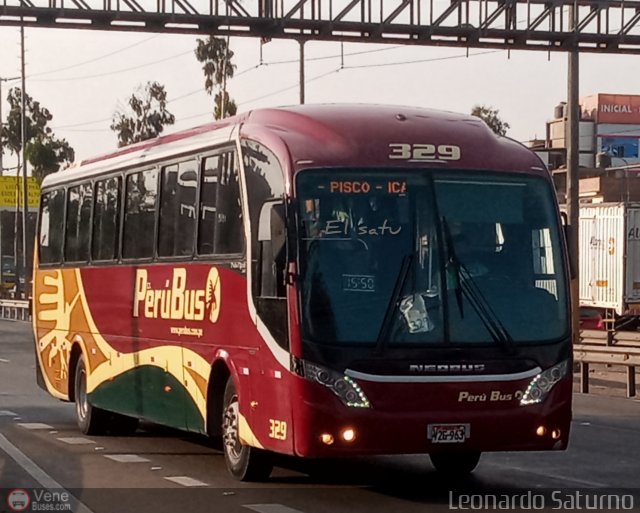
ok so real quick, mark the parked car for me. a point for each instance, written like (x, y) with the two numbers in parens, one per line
(8, 272)
(591, 319)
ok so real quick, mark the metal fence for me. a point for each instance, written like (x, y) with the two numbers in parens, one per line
(612, 348)
(15, 310)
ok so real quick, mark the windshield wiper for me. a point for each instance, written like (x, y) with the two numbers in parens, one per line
(466, 285)
(387, 321)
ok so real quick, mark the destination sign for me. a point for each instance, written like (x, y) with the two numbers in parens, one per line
(365, 187)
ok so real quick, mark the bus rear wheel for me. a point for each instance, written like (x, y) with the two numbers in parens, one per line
(455, 464)
(91, 420)
(243, 462)
(96, 421)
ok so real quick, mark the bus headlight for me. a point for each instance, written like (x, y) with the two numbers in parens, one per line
(542, 384)
(347, 390)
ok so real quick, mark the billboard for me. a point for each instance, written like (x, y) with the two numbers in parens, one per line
(11, 192)
(620, 147)
(611, 108)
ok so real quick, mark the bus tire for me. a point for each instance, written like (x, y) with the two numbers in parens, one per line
(91, 420)
(243, 462)
(455, 464)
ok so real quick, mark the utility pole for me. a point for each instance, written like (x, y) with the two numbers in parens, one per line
(2, 249)
(26, 274)
(1, 125)
(573, 178)
(301, 71)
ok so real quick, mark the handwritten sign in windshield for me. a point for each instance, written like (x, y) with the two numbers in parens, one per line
(337, 227)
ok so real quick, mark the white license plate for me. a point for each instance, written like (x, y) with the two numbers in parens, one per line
(448, 433)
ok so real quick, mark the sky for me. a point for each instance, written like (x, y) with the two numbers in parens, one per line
(84, 76)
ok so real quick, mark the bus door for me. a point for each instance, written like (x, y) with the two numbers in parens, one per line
(272, 419)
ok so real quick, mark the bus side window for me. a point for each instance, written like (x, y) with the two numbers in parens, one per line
(207, 217)
(76, 247)
(265, 187)
(229, 231)
(177, 209)
(220, 228)
(139, 215)
(271, 240)
(51, 227)
(106, 219)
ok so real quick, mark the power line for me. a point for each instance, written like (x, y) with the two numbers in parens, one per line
(77, 65)
(318, 77)
(420, 61)
(115, 72)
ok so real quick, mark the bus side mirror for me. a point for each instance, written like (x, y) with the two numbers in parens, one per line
(272, 228)
(568, 233)
(278, 231)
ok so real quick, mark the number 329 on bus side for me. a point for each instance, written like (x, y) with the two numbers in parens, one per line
(424, 152)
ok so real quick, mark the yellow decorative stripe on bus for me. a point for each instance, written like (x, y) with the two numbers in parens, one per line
(246, 434)
(64, 318)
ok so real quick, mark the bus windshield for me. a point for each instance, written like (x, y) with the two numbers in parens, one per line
(421, 258)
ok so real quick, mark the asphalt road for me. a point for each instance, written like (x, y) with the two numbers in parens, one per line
(160, 470)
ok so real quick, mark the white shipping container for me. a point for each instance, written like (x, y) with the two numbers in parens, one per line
(609, 256)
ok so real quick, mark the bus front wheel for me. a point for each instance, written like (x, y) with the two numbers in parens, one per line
(243, 462)
(455, 464)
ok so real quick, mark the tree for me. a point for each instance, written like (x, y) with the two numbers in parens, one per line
(43, 150)
(216, 56)
(230, 107)
(145, 117)
(490, 116)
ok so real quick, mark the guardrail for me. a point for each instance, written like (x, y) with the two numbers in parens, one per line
(14, 309)
(596, 346)
(611, 348)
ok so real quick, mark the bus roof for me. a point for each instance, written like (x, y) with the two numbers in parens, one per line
(332, 135)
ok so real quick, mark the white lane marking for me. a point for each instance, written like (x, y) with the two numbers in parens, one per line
(3, 360)
(45, 480)
(7, 413)
(186, 481)
(583, 482)
(76, 440)
(271, 508)
(35, 425)
(126, 458)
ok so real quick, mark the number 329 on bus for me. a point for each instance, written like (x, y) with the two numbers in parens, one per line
(424, 152)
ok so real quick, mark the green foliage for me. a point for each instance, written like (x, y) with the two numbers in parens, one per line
(490, 116)
(146, 116)
(45, 153)
(216, 56)
(230, 107)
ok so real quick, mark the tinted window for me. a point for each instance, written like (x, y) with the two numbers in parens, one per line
(265, 181)
(220, 229)
(51, 226)
(139, 217)
(207, 218)
(79, 199)
(229, 234)
(178, 209)
(106, 219)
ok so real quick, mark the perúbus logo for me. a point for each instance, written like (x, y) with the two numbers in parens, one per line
(18, 500)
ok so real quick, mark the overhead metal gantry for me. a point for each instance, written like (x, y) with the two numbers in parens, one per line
(600, 26)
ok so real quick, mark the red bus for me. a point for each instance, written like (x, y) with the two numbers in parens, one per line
(317, 281)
